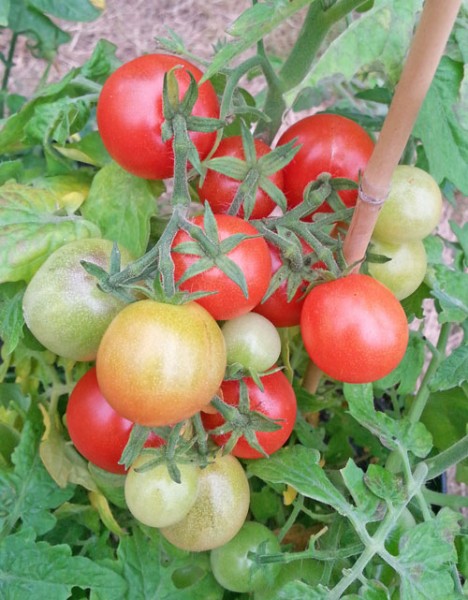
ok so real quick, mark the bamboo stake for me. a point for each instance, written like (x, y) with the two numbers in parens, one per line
(436, 23)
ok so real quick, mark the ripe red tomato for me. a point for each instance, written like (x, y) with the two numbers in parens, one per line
(219, 190)
(330, 144)
(158, 364)
(130, 114)
(277, 401)
(354, 329)
(276, 308)
(97, 431)
(252, 257)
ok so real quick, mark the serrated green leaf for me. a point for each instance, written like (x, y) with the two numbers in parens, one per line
(452, 372)
(36, 569)
(11, 315)
(462, 237)
(28, 493)
(444, 139)
(427, 557)
(297, 466)
(122, 206)
(79, 10)
(450, 287)
(414, 437)
(367, 503)
(148, 565)
(413, 305)
(384, 484)
(32, 226)
(298, 590)
(380, 38)
(254, 25)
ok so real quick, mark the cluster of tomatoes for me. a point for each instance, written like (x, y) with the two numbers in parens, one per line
(160, 363)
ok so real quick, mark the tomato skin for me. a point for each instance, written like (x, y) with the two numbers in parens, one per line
(158, 363)
(252, 341)
(412, 209)
(276, 308)
(130, 114)
(219, 510)
(154, 498)
(405, 270)
(277, 401)
(96, 430)
(330, 144)
(354, 329)
(219, 190)
(251, 255)
(234, 570)
(62, 305)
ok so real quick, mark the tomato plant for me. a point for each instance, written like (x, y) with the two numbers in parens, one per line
(130, 113)
(232, 567)
(160, 363)
(63, 307)
(329, 144)
(96, 430)
(276, 401)
(344, 409)
(354, 329)
(219, 511)
(154, 498)
(250, 255)
(219, 190)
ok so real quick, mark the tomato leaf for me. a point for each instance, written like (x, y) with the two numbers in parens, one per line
(148, 564)
(45, 571)
(28, 492)
(426, 557)
(11, 315)
(121, 205)
(297, 466)
(32, 226)
(445, 140)
(252, 26)
(368, 503)
(452, 372)
(412, 436)
(384, 484)
(450, 288)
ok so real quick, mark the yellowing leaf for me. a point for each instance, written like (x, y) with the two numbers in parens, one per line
(100, 503)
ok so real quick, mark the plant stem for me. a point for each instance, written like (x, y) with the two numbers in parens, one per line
(453, 455)
(292, 517)
(313, 32)
(421, 398)
(6, 75)
(450, 500)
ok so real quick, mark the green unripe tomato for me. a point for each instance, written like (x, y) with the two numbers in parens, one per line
(63, 306)
(154, 498)
(412, 209)
(234, 570)
(252, 341)
(405, 270)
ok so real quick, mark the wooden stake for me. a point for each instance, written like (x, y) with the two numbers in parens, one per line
(430, 39)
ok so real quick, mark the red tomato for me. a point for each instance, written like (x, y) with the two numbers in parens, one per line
(276, 308)
(354, 329)
(277, 401)
(130, 114)
(97, 431)
(219, 190)
(330, 144)
(252, 257)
